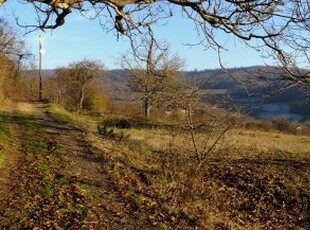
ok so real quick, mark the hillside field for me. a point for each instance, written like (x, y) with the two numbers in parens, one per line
(58, 172)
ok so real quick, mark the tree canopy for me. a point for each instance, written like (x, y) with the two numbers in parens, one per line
(246, 19)
(69, 84)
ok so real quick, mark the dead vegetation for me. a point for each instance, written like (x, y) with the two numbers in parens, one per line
(148, 179)
(278, 125)
(231, 191)
(253, 180)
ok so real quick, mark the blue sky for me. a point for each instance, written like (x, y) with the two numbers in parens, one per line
(81, 38)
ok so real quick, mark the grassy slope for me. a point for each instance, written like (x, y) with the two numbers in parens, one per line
(254, 179)
(82, 121)
(257, 180)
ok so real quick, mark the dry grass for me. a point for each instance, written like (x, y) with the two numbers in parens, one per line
(208, 198)
(237, 143)
(254, 143)
(254, 179)
(278, 125)
(83, 121)
(4, 104)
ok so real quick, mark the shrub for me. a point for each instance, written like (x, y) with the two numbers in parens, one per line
(105, 130)
(117, 123)
(96, 103)
(282, 125)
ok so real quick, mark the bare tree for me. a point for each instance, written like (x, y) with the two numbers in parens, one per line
(152, 70)
(295, 59)
(279, 28)
(246, 19)
(11, 43)
(12, 55)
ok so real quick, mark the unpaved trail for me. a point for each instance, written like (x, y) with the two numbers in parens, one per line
(12, 169)
(13, 158)
(15, 154)
(81, 164)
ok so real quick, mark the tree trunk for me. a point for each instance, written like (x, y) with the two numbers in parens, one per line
(82, 98)
(147, 109)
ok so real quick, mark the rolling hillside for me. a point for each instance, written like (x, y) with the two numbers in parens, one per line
(57, 172)
(261, 90)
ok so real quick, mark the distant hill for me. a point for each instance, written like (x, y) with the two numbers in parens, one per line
(48, 72)
(264, 90)
(259, 88)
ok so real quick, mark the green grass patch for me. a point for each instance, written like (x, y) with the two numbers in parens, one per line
(2, 158)
(60, 114)
(50, 189)
(61, 181)
(34, 137)
(36, 147)
(5, 130)
(45, 167)
(5, 134)
(24, 116)
(85, 188)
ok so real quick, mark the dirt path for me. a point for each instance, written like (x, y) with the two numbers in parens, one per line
(13, 157)
(67, 169)
(88, 164)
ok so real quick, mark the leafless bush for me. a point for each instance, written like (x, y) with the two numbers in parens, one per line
(206, 124)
